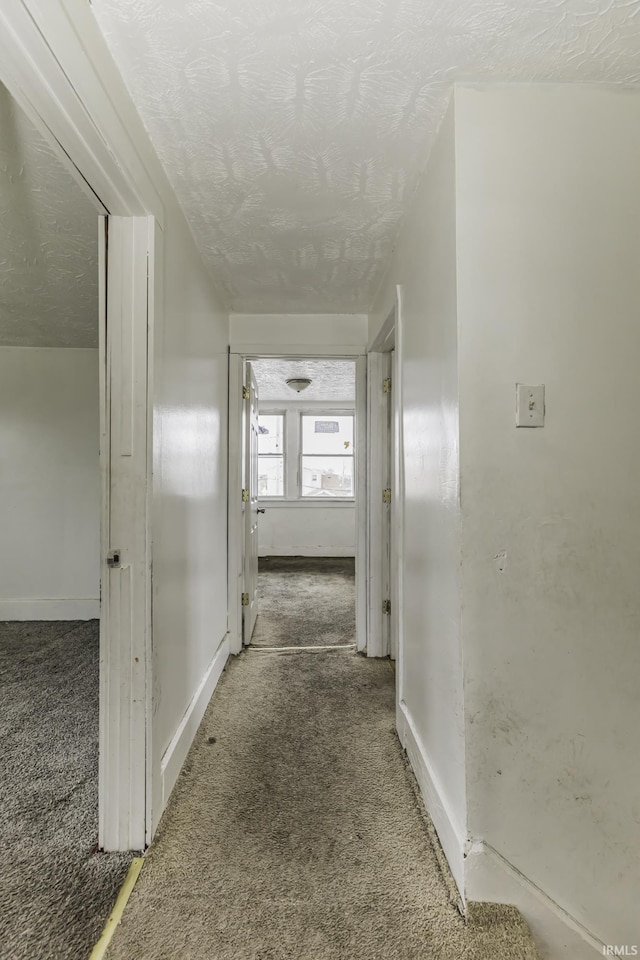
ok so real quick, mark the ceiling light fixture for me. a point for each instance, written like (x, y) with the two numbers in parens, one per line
(298, 383)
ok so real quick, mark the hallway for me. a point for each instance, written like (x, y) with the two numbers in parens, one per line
(296, 830)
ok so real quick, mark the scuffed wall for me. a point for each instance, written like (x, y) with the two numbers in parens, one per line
(548, 292)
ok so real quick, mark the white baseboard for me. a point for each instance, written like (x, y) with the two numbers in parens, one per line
(306, 552)
(450, 835)
(490, 878)
(176, 753)
(57, 609)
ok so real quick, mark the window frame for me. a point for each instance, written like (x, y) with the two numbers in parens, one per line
(292, 453)
(319, 412)
(272, 412)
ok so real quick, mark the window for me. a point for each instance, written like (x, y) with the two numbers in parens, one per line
(271, 455)
(326, 468)
(304, 455)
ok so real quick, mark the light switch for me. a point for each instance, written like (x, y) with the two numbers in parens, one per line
(529, 405)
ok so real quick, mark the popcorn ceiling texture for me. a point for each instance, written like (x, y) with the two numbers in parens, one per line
(331, 380)
(48, 242)
(294, 131)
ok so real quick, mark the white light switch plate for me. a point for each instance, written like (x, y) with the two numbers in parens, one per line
(529, 405)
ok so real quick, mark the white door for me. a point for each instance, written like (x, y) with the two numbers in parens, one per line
(250, 507)
(125, 566)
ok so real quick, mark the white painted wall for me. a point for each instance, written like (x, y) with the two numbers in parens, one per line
(49, 483)
(431, 711)
(190, 499)
(547, 220)
(549, 288)
(331, 333)
(290, 530)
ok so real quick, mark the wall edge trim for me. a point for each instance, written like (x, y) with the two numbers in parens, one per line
(491, 878)
(176, 753)
(50, 608)
(449, 833)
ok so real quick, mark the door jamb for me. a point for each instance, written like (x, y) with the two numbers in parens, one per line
(378, 518)
(398, 498)
(389, 338)
(234, 502)
(362, 553)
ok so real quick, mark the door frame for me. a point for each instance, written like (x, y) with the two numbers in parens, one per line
(379, 520)
(55, 63)
(379, 452)
(235, 519)
(250, 506)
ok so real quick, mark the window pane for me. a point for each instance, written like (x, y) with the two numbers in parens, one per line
(328, 434)
(270, 476)
(327, 477)
(270, 430)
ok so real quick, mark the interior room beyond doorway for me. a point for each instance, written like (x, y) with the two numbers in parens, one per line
(56, 889)
(307, 503)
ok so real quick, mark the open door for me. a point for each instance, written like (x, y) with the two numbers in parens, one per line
(250, 506)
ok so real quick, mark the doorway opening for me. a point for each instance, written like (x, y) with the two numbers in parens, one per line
(50, 515)
(303, 477)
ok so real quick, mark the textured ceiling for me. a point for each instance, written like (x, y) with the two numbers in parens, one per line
(331, 380)
(294, 131)
(48, 242)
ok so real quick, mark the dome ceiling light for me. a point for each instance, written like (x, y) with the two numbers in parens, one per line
(298, 383)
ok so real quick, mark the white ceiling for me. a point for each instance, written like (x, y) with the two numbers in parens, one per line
(294, 131)
(48, 242)
(331, 380)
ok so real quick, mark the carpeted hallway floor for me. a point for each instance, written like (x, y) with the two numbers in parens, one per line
(56, 892)
(305, 601)
(296, 833)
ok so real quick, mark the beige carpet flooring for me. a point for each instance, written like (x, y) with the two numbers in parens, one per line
(295, 832)
(306, 601)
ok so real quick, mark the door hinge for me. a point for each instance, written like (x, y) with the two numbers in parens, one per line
(386, 385)
(245, 599)
(386, 606)
(386, 495)
(245, 496)
(246, 393)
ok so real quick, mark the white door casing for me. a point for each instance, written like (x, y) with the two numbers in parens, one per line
(235, 516)
(393, 520)
(362, 558)
(378, 504)
(397, 502)
(250, 506)
(386, 504)
(126, 547)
